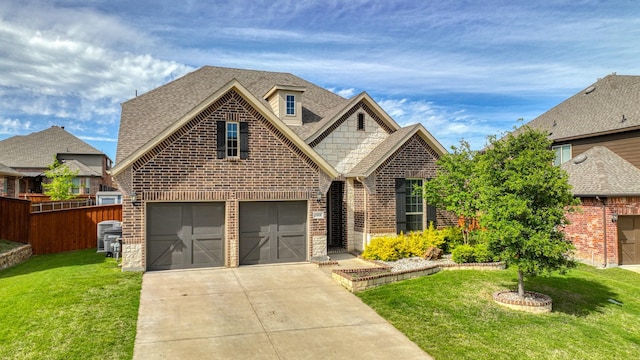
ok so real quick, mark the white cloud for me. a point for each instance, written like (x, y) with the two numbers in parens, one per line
(14, 126)
(345, 93)
(448, 125)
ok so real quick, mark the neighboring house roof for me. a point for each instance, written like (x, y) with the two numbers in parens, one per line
(611, 104)
(37, 149)
(151, 114)
(177, 123)
(601, 172)
(82, 169)
(7, 171)
(389, 146)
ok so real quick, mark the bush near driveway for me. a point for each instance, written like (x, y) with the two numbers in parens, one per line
(75, 305)
(451, 315)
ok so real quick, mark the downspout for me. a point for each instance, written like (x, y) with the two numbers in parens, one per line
(604, 227)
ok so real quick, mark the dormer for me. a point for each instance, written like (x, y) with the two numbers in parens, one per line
(286, 103)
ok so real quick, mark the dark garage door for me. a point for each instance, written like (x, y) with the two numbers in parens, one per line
(185, 235)
(629, 240)
(273, 232)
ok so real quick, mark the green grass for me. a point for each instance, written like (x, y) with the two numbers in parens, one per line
(6, 245)
(451, 315)
(75, 305)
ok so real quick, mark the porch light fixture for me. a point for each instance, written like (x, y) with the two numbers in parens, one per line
(134, 197)
(319, 196)
(614, 217)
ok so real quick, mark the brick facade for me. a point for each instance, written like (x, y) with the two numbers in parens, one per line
(415, 159)
(184, 167)
(590, 222)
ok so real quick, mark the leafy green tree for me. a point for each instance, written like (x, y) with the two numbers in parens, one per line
(61, 181)
(454, 187)
(523, 199)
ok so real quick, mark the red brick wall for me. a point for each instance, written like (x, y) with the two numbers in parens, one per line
(587, 228)
(185, 168)
(415, 159)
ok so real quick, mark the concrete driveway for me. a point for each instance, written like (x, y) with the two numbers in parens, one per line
(292, 311)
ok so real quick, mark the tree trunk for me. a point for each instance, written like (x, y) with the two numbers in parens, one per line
(520, 283)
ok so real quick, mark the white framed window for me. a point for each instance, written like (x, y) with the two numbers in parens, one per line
(563, 154)
(414, 208)
(5, 186)
(75, 189)
(291, 105)
(232, 139)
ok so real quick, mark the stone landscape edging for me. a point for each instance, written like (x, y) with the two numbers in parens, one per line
(15, 256)
(349, 279)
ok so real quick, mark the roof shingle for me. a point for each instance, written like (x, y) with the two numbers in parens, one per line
(149, 114)
(611, 104)
(601, 172)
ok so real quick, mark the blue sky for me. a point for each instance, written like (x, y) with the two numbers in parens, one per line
(465, 69)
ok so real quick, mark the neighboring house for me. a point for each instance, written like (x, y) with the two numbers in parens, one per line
(30, 155)
(226, 167)
(596, 136)
(8, 181)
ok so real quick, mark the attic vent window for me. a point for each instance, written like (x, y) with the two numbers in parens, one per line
(291, 105)
(589, 90)
(360, 122)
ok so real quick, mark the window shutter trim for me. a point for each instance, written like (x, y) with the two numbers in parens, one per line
(244, 140)
(401, 205)
(432, 216)
(221, 135)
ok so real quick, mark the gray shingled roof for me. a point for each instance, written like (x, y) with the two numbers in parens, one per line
(82, 169)
(149, 114)
(382, 151)
(37, 150)
(602, 173)
(600, 108)
(7, 171)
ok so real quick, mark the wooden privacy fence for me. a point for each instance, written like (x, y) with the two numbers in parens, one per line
(69, 229)
(14, 219)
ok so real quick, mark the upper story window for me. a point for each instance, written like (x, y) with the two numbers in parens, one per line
(291, 105)
(563, 154)
(232, 139)
(360, 122)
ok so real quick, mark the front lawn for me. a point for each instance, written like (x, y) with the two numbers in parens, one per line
(451, 315)
(75, 305)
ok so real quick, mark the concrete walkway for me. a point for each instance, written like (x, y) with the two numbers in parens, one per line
(292, 311)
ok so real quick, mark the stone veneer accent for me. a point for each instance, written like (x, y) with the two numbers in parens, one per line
(15, 256)
(346, 146)
(184, 168)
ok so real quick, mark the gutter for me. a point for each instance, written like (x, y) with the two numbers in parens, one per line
(604, 228)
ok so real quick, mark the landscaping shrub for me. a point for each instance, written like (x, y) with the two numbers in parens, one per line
(482, 253)
(394, 247)
(452, 237)
(463, 253)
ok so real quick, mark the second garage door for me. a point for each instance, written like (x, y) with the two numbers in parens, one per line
(629, 240)
(273, 232)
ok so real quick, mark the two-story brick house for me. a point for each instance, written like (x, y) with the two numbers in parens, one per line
(226, 167)
(596, 137)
